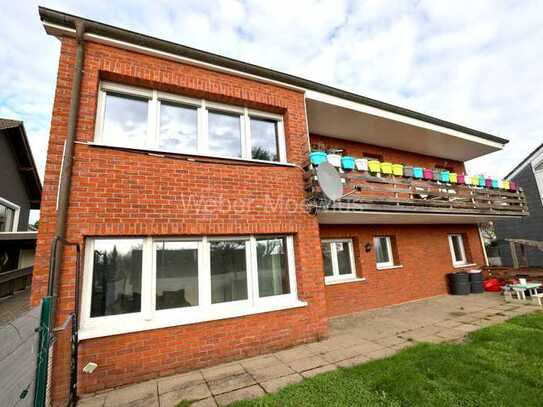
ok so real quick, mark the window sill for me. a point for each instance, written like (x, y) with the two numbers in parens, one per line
(347, 280)
(189, 156)
(461, 266)
(117, 327)
(389, 267)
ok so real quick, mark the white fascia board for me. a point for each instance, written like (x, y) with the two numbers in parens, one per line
(359, 107)
(54, 29)
(534, 161)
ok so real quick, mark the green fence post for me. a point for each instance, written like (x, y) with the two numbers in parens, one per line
(40, 393)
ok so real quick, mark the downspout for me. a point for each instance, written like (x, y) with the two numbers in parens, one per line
(66, 170)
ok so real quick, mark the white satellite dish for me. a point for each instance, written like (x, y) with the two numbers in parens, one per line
(330, 181)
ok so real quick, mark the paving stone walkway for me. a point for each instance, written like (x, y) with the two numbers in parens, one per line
(353, 340)
(14, 306)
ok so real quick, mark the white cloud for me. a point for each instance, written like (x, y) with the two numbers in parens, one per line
(472, 62)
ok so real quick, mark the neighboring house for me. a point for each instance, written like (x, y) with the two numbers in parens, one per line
(188, 197)
(20, 191)
(529, 174)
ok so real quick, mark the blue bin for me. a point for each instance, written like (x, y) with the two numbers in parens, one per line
(317, 157)
(444, 176)
(482, 181)
(347, 162)
(417, 172)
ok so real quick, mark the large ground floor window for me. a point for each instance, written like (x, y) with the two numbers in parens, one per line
(133, 284)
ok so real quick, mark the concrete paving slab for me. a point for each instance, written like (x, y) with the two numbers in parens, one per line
(209, 402)
(141, 394)
(179, 382)
(225, 370)
(312, 362)
(293, 354)
(319, 370)
(357, 360)
(197, 392)
(274, 385)
(230, 383)
(96, 401)
(271, 372)
(246, 393)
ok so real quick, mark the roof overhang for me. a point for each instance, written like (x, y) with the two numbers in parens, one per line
(336, 217)
(19, 236)
(335, 117)
(62, 24)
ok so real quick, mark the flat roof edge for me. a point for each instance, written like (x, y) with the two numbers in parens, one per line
(106, 30)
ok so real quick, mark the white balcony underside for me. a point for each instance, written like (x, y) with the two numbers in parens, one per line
(337, 217)
(333, 117)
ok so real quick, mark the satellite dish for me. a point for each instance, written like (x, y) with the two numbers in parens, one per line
(329, 181)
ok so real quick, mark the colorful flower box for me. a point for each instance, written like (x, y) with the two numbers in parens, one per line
(407, 171)
(428, 174)
(418, 172)
(436, 175)
(462, 179)
(482, 181)
(444, 176)
(488, 182)
(347, 163)
(474, 180)
(374, 165)
(386, 168)
(334, 159)
(505, 185)
(317, 157)
(361, 164)
(397, 169)
(512, 186)
(495, 183)
(453, 178)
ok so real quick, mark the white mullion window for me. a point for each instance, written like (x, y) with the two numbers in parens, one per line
(384, 256)
(458, 252)
(338, 257)
(134, 283)
(140, 118)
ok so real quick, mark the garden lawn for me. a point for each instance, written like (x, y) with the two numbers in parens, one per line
(500, 365)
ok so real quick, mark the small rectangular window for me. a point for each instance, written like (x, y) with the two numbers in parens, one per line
(178, 128)
(224, 134)
(458, 252)
(264, 140)
(338, 259)
(272, 265)
(7, 216)
(176, 274)
(383, 251)
(228, 271)
(125, 120)
(116, 278)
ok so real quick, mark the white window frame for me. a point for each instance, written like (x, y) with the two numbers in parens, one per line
(336, 277)
(385, 264)
(151, 318)
(464, 261)
(17, 209)
(203, 106)
(538, 174)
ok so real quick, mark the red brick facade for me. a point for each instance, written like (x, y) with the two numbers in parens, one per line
(124, 193)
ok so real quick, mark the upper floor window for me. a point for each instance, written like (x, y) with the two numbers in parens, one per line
(385, 252)
(538, 171)
(149, 119)
(9, 216)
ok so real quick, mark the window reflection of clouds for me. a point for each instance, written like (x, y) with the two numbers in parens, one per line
(125, 121)
(264, 140)
(178, 128)
(224, 136)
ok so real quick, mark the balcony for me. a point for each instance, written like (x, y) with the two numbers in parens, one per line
(371, 199)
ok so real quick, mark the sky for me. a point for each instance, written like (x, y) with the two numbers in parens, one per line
(476, 63)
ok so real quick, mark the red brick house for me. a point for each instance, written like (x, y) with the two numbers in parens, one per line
(204, 234)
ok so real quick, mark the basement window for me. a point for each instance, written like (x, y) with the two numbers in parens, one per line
(148, 119)
(133, 284)
(338, 259)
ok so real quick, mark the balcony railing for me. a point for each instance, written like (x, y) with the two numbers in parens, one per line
(388, 193)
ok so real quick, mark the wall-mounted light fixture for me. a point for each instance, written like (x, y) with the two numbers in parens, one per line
(367, 246)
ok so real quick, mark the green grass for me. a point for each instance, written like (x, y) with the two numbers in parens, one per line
(500, 365)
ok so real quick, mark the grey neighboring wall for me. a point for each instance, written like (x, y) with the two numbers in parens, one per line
(528, 227)
(19, 180)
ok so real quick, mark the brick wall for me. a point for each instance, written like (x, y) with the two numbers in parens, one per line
(423, 252)
(125, 193)
(389, 154)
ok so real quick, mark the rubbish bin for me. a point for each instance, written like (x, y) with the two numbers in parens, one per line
(459, 283)
(476, 281)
